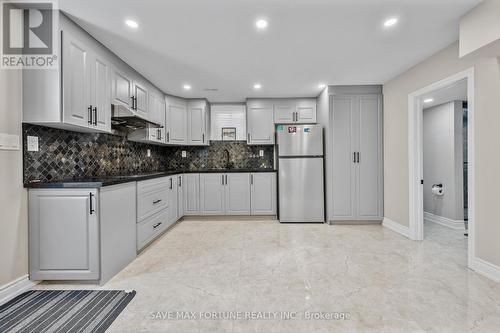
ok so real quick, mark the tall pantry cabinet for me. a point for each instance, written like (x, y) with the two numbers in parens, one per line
(357, 176)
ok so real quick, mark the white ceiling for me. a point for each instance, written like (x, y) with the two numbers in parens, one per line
(455, 92)
(214, 43)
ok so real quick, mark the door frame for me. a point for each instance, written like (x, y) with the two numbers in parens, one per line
(415, 157)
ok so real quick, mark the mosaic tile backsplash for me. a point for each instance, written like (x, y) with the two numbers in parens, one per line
(70, 155)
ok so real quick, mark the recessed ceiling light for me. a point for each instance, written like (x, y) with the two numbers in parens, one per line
(321, 86)
(428, 100)
(261, 24)
(391, 22)
(186, 87)
(257, 86)
(132, 24)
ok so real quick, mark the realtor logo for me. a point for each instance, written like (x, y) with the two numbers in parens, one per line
(29, 34)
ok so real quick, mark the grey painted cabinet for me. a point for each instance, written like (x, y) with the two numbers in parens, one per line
(191, 193)
(101, 92)
(212, 194)
(122, 87)
(305, 111)
(177, 118)
(263, 193)
(357, 157)
(173, 206)
(260, 124)
(64, 234)
(237, 190)
(294, 111)
(81, 234)
(140, 94)
(284, 111)
(198, 123)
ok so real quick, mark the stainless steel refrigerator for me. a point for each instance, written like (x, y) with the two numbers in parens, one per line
(301, 174)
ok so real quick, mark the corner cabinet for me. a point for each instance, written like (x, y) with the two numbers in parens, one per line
(260, 122)
(81, 234)
(357, 167)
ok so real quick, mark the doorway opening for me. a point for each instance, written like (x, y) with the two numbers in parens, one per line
(441, 158)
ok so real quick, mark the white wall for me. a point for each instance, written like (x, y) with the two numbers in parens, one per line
(480, 27)
(487, 159)
(13, 198)
(443, 159)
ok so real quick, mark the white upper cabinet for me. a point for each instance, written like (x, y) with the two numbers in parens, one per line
(77, 108)
(122, 88)
(260, 125)
(198, 123)
(228, 116)
(176, 120)
(305, 111)
(284, 111)
(140, 96)
(101, 92)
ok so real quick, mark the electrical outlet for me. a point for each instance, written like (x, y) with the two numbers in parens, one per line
(261, 153)
(149, 152)
(33, 143)
(184, 153)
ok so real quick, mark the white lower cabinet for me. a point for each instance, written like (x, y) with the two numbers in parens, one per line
(81, 234)
(263, 193)
(191, 193)
(231, 194)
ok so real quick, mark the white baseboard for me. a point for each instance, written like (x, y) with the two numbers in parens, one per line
(444, 221)
(396, 227)
(487, 269)
(14, 288)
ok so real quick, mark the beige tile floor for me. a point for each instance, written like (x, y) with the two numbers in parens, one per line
(382, 281)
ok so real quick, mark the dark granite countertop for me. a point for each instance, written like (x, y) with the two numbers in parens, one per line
(115, 180)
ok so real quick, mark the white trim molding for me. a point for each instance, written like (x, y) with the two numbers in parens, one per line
(396, 227)
(14, 288)
(444, 221)
(487, 269)
(415, 157)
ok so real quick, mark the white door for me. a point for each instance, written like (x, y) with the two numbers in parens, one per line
(212, 194)
(196, 125)
(140, 94)
(237, 193)
(191, 193)
(122, 88)
(369, 159)
(177, 124)
(77, 109)
(263, 193)
(101, 93)
(260, 124)
(64, 234)
(344, 176)
(306, 111)
(284, 111)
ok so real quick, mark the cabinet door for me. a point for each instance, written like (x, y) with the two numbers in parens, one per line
(284, 112)
(141, 99)
(191, 193)
(177, 124)
(63, 234)
(237, 193)
(180, 196)
(162, 120)
(343, 175)
(212, 194)
(306, 111)
(122, 88)
(196, 124)
(263, 193)
(172, 200)
(76, 81)
(101, 93)
(369, 166)
(260, 124)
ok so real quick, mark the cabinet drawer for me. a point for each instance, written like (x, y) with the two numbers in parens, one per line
(152, 185)
(152, 227)
(151, 202)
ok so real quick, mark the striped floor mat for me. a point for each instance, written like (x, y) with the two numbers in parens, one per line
(63, 310)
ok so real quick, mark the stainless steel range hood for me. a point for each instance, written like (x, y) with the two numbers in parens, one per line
(125, 118)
